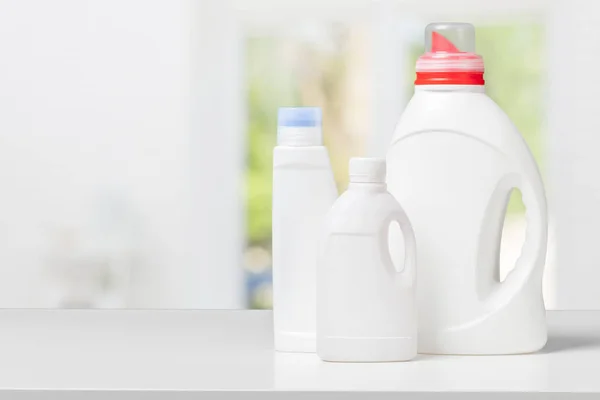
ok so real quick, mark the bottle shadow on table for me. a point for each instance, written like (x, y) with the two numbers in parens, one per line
(565, 342)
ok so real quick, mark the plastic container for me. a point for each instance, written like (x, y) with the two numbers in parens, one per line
(453, 162)
(303, 192)
(366, 308)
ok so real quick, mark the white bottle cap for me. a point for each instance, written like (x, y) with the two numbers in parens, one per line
(299, 126)
(367, 170)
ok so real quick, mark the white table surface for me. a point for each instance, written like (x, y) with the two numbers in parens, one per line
(183, 354)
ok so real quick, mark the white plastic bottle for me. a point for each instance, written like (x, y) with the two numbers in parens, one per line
(303, 191)
(453, 161)
(366, 309)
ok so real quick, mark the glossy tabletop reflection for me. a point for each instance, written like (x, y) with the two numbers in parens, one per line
(181, 352)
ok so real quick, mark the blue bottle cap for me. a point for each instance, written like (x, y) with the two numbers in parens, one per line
(299, 116)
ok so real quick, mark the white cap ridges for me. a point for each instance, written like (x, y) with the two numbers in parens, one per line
(299, 136)
(367, 170)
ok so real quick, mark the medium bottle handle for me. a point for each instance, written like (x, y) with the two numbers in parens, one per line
(530, 264)
(408, 273)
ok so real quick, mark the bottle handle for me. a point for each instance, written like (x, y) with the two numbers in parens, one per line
(408, 273)
(532, 259)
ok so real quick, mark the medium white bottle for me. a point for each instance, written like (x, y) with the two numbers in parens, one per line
(366, 309)
(303, 191)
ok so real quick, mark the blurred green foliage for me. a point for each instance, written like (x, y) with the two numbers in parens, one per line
(268, 88)
(514, 76)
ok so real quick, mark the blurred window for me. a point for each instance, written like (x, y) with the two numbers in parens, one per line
(331, 67)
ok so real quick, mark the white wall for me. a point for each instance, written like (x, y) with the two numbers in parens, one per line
(217, 155)
(95, 103)
(574, 151)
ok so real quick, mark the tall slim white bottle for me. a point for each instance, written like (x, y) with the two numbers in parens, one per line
(303, 192)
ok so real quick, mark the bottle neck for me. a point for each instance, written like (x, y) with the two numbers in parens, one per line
(450, 88)
(367, 186)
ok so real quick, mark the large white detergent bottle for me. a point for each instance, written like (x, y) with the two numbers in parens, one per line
(453, 161)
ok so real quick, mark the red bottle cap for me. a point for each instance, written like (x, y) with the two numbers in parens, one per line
(450, 57)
